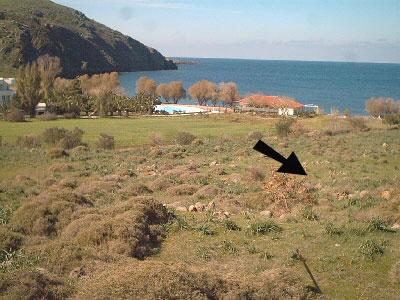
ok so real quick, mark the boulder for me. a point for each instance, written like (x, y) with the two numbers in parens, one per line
(266, 213)
(211, 205)
(199, 206)
(385, 195)
(181, 208)
(192, 208)
(77, 272)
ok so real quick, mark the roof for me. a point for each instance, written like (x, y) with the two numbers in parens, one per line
(258, 100)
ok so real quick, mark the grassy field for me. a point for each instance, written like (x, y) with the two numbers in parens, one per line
(115, 223)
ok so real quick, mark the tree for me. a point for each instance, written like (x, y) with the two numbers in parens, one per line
(146, 86)
(176, 91)
(203, 91)
(228, 93)
(29, 87)
(49, 68)
(382, 106)
(163, 91)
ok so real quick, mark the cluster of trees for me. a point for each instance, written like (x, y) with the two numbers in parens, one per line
(203, 91)
(380, 107)
(93, 95)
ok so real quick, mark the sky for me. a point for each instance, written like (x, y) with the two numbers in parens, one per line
(314, 30)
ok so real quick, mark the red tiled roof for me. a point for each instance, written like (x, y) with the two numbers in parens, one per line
(270, 101)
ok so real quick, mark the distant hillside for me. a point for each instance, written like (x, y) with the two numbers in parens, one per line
(31, 28)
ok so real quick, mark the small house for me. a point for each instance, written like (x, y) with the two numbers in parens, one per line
(40, 108)
(280, 105)
(6, 93)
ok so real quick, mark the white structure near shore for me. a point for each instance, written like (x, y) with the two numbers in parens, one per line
(6, 93)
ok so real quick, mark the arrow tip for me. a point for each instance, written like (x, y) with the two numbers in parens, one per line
(292, 166)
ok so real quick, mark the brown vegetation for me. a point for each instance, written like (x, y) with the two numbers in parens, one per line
(146, 86)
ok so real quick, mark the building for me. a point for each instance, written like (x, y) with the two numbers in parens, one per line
(6, 93)
(283, 106)
(40, 108)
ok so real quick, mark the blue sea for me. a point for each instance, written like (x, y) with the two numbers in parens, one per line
(339, 85)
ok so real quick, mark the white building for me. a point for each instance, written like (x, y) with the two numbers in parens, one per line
(6, 93)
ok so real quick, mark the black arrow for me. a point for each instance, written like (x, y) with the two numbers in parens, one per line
(290, 165)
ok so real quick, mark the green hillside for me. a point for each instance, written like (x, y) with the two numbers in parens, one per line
(31, 28)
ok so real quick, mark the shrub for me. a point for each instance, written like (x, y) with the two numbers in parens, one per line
(70, 115)
(370, 249)
(28, 141)
(331, 229)
(185, 138)
(309, 214)
(283, 127)
(256, 173)
(71, 139)
(105, 142)
(15, 115)
(377, 224)
(264, 227)
(358, 123)
(230, 225)
(392, 119)
(47, 116)
(156, 139)
(53, 135)
(255, 135)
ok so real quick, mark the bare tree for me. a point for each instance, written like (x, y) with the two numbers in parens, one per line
(146, 86)
(203, 91)
(49, 68)
(228, 93)
(28, 87)
(163, 91)
(176, 91)
(382, 106)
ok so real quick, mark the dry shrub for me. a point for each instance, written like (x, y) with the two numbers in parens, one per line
(106, 142)
(56, 153)
(132, 228)
(283, 126)
(161, 183)
(33, 284)
(93, 186)
(298, 129)
(28, 141)
(53, 135)
(157, 280)
(358, 123)
(15, 115)
(9, 240)
(156, 139)
(185, 138)
(136, 189)
(207, 191)
(70, 115)
(282, 194)
(47, 116)
(71, 139)
(47, 213)
(183, 189)
(255, 135)
(256, 173)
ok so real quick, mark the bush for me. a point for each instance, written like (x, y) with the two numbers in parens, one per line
(185, 138)
(156, 139)
(56, 153)
(264, 227)
(53, 135)
(283, 127)
(71, 139)
(28, 141)
(256, 174)
(392, 119)
(15, 115)
(254, 135)
(370, 249)
(105, 142)
(70, 115)
(358, 123)
(47, 116)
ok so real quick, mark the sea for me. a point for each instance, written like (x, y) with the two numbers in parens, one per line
(330, 85)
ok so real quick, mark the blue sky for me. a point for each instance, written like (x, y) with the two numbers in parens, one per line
(328, 30)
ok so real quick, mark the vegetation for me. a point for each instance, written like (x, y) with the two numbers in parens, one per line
(114, 223)
(379, 107)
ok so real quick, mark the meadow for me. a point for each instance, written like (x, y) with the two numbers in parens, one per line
(201, 215)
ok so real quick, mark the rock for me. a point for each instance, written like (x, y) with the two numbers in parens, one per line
(396, 226)
(385, 146)
(227, 214)
(217, 148)
(352, 196)
(192, 208)
(181, 208)
(266, 213)
(363, 194)
(77, 272)
(220, 215)
(211, 205)
(199, 206)
(207, 191)
(213, 163)
(385, 195)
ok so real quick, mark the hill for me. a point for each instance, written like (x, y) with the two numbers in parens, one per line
(31, 28)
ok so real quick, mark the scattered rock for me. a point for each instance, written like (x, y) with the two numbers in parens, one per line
(77, 272)
(211, 205)
(396, 226)
(192, 208)
(181, 208)
(266, 213)
(363, 194)
(385, 195)
(199, 206)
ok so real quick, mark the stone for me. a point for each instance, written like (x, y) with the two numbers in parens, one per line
(266, 213)
(385, 146)
(213, 163)
(352, 196)
(181, 208)
(396, 226)
(211, 205)
(385, 195)
(199, 206)
(363, 194)
(227, 214)
(192, 208)
(77, 272)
